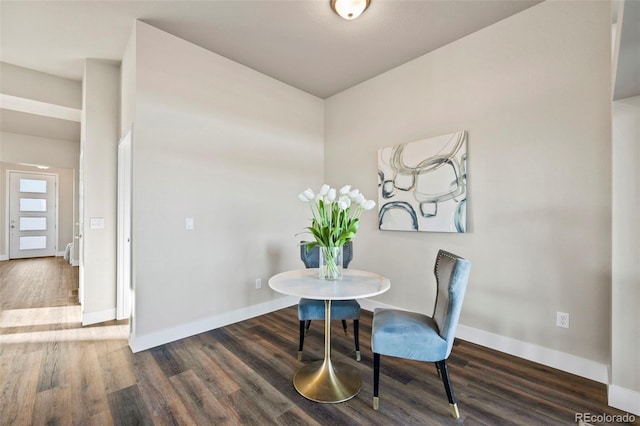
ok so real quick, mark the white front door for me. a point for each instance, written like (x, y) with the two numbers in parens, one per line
(32, 215)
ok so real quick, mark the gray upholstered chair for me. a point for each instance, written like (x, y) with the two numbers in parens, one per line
(310, 309)
(421, 337)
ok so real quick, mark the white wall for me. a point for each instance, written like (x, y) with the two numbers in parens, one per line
(20, 148)
(38, 86)
(128, 86)
(533, 91)
(231, 148)
(98, 178)
(625, 321)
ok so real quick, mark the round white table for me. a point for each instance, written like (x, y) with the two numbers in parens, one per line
(324, 381)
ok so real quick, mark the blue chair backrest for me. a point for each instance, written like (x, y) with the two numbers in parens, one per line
(311, 258)
(452, 275)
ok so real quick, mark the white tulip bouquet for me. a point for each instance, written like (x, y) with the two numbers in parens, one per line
(336, 217)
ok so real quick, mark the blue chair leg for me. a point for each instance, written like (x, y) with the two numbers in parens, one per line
(376, 380)
(301, 340)
(444, 372)
(307, 325)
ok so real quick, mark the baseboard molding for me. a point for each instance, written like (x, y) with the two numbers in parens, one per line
(100, 316)
(60, 254)
(139, 343)
(3, 257)
(371, 305)
(624, 399)
(75, 262)
(552, 358)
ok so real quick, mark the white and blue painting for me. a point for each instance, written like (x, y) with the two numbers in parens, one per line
(422, 185)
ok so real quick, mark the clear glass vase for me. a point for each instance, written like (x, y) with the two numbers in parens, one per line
(330, 266)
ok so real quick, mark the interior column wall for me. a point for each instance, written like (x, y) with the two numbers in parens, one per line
(625, 321)
(98, 179)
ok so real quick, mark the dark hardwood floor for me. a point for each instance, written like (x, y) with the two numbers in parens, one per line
(55, 372)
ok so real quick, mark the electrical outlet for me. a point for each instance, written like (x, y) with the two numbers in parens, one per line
(258, 283)
(189, 223)
(562, 319)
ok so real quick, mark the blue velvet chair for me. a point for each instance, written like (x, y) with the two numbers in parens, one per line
(421, 337)
(310, 309)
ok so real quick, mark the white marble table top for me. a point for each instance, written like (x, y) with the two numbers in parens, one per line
(305, 283)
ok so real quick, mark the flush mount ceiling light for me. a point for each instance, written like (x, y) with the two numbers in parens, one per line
(349, 9)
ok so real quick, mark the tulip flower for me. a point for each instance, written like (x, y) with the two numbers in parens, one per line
(368, 205)
(324, 190)
(344, 202)
(308, 193)
(331, 195)
(303, 198)
(336, 214)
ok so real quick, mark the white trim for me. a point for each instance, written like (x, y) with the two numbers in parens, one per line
(100, 316)
(6, 213)
(552, 358)
(141, 343)
(75, 262)
(39, 108)
(573, 364)
(124, 228)
(624, 399)
(60, 254)
(4, 257)
(371, 305)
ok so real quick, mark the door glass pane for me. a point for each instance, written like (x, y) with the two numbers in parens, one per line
(33, 223)
(33, 205)
(33, 243)
(33, 185)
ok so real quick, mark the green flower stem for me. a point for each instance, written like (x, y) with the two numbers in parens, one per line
(331, 268)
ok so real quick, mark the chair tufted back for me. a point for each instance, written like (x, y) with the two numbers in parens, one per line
(311, 258)
(452, 275)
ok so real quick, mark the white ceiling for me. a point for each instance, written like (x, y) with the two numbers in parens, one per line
(300, 42)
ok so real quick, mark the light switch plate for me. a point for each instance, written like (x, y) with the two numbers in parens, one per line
(189, 223)
(96, 223)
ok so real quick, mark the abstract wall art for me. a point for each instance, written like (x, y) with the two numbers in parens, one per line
(422, 185)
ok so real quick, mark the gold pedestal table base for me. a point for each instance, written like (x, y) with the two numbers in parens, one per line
(322, 381)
